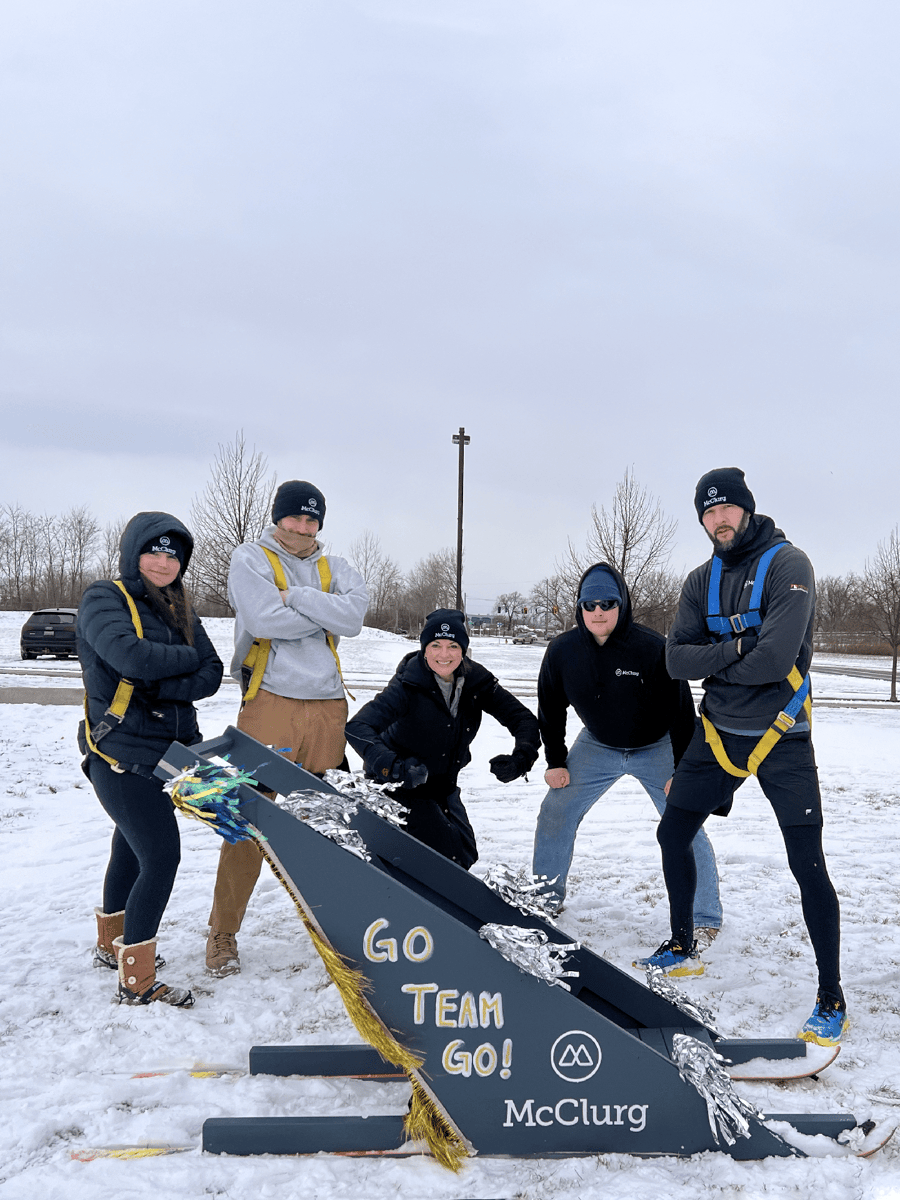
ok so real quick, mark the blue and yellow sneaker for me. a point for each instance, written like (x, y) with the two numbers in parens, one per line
(828, 1023)
(673, 960)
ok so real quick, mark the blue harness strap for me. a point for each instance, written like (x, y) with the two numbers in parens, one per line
(734, 626)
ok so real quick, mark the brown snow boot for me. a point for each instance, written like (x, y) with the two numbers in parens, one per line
(137, 977)
(109, 927)
(222, 954)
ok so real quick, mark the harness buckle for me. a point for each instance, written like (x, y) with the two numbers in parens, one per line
(784, 722)
(737, 623)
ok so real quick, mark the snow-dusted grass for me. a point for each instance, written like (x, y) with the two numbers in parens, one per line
(68, 1053)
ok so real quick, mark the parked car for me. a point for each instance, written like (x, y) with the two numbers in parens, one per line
(49, 631)
(524, 639)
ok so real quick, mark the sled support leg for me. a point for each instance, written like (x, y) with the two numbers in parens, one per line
(323, 1062)
(303, 1135)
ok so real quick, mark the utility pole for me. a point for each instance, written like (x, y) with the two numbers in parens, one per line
(460, 439)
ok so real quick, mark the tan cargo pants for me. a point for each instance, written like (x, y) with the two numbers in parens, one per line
(313, 732)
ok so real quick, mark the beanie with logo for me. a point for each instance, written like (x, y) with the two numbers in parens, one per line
(447, 623)
(724, 485)
(296, 497)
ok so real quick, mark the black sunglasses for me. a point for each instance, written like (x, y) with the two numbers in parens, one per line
(603, 605)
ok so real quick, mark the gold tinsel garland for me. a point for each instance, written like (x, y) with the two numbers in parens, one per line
(424, 1121)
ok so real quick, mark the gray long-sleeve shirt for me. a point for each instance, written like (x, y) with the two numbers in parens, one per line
(746, 693)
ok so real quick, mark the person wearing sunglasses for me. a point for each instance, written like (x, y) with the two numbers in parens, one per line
(637, 722)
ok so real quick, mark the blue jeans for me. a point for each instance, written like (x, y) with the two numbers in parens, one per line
(593, 769)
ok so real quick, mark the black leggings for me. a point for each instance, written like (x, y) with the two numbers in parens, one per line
(146, 848)
(806, 859)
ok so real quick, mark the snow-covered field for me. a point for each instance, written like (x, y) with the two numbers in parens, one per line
(69, 1054)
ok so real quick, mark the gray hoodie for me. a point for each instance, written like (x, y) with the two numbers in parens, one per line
(745, 694)
(300, 664)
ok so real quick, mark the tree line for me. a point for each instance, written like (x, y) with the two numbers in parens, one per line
(48, 561)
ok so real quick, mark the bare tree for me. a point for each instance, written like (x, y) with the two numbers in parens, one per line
(429, 585)
(635, 536)
(233, 508)
(383, 579)
(881, 586)
(107, 565)
(552, 602)
(78, 539)
(17, 526)
(45, 560)
(512, 604)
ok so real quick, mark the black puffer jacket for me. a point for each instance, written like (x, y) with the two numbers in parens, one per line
(168, 674)
(410, 719)
(621, 690)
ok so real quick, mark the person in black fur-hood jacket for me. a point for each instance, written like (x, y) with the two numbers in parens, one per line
(637, 721)
(417, 734)
(140, 631)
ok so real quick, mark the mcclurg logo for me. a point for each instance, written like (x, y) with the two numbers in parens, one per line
(636, 674)
(572, 1111)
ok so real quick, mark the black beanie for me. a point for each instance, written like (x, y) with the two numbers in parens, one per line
(296, 497)
(447, 623)
(724, 485)
(167, 543)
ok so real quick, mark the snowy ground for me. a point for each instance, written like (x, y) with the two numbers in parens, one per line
(69, 1054)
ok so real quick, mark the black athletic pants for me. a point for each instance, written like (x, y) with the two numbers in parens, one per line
(788, 780)
(146, 847)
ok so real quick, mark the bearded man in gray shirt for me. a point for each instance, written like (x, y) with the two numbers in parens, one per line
(744, 626)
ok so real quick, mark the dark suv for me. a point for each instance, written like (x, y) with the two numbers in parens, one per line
(49, 631)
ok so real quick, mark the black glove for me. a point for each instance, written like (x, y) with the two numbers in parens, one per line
(409, 772)
(508, 767)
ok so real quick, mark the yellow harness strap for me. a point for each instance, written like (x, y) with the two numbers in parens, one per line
(258, 654)
(766, 743)
(124, 690)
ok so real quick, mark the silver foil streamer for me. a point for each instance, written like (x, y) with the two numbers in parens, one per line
(524, 891)
(329, 815)
(371, 795)
(531, 950)
(699, 1065)
(660, 983)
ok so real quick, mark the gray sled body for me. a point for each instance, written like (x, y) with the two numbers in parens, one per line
(518, 1067)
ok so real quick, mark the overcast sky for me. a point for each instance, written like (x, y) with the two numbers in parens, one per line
(600, 234)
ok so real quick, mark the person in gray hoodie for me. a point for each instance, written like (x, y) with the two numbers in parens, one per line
(292, 604)
(744, 625)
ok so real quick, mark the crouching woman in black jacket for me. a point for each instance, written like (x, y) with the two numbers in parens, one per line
(145, 658)
(417, 734)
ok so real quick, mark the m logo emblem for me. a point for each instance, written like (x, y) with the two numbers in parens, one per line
(575, 1056)
(713, 492)
(164, 541)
